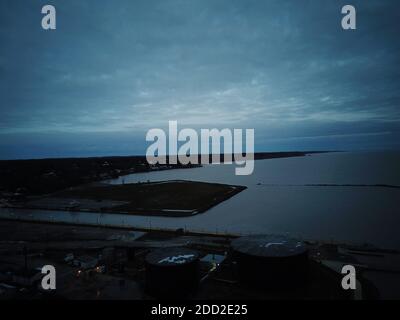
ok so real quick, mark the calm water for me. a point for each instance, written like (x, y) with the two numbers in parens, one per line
(277, 201)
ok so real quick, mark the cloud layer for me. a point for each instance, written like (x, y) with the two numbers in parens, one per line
(113, 70)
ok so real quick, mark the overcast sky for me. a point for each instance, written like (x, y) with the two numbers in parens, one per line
(114, 69)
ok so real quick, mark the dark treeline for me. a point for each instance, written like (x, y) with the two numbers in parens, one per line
(49, 175)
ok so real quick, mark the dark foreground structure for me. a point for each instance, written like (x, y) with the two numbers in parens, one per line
(271, 261)
(109, 263)
(172, 273)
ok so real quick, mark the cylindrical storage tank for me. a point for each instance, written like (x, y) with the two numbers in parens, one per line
(172, 272)
(270, 262)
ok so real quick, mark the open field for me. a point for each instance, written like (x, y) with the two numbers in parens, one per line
(167, 198)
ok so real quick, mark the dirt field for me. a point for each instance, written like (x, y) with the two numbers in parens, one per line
(168, 198)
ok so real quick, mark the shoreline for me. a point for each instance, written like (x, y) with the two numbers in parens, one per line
(43, 176)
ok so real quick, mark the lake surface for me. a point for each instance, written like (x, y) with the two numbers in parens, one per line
(278, 200)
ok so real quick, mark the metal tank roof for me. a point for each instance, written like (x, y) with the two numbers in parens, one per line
(268, 246)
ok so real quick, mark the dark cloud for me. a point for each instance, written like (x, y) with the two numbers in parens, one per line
(116, 69)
